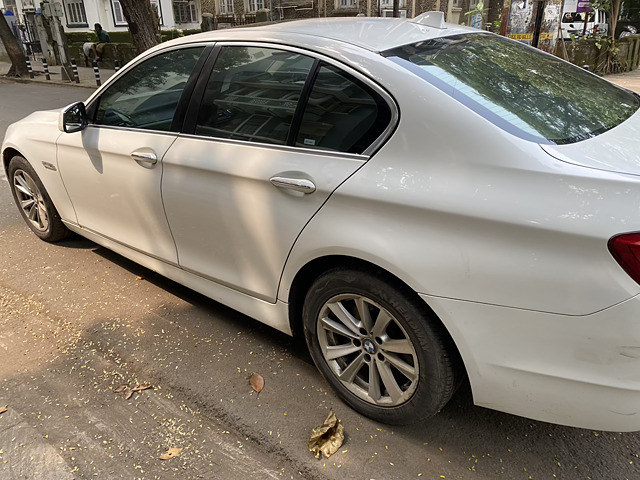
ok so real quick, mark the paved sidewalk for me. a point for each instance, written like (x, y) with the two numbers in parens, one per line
(86, 74)
(630, 80)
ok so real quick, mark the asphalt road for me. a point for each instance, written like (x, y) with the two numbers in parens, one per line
(77, 321)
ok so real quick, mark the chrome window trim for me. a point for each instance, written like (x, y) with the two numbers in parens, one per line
(286, 148)
(133, 129)
(366, 154)
(393, 107)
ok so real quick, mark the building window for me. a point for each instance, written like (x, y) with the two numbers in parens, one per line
(389, 4)
(254, 5)
(118, 16)
(347, 4)
(10, 5)
(184, 12)
(76, 15)
(225, 7)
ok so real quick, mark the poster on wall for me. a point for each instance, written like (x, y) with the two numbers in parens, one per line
(521, 22)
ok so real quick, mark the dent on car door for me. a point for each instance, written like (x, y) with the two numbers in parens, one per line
(275, 133)
(112, 169)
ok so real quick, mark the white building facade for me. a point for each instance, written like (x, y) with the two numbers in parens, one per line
(82, 15)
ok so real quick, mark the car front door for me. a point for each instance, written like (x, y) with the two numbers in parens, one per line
(273, 133)
(112, 169)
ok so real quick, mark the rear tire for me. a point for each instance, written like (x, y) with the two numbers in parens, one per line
(380, 349)
(34, 202)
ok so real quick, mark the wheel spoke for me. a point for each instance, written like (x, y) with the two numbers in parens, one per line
(344, 316)
(33, 212)
(393, 389)
(382, 321)
(23, 186)
(406, 369)
(374, 381)
(25, 204)
(338, 328)
(397, 346)
(364, 313)
(349, 373)
(43, 219)
(338, 351)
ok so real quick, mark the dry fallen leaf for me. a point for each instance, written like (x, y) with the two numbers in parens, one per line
(140, 277)
(257, 382)
(144, 386)
(121, 388)
(129, 393)
(3, 409)
(327, 438)
(169, 454)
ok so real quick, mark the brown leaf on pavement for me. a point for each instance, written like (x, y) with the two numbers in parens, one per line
(144, 386)
(327, 438)
(129, 393)
(3, 409)
(171, 453)
(257, 382)
(121, 388)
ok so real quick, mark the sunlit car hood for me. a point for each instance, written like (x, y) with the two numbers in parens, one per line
(617, 150)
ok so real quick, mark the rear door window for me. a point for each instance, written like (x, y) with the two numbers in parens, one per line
(252, 94)
(342, 113)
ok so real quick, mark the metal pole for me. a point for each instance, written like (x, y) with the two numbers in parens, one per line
(45, 65)
(96, 72)
(29, 68)
(116, 65)
(74, 67)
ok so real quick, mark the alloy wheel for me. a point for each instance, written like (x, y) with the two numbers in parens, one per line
(31, 200)
(368, 350)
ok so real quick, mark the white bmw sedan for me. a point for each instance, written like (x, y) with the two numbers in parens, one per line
(423, 201)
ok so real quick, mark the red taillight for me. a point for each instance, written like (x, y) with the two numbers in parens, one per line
(595, 30)
(625, 248)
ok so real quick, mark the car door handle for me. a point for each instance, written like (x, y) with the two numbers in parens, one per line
(297, 184)
(147, 157)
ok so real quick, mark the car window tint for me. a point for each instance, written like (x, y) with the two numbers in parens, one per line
(252, 94)
(342, 113)
(147, 96)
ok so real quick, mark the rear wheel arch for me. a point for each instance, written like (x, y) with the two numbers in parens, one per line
(316, 267)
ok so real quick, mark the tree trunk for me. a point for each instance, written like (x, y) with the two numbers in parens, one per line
(139, 18)
(18, 62)
(396, 8)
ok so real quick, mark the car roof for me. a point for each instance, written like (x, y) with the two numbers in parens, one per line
(374, 34)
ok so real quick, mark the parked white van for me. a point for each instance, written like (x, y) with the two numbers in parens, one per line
(573, 23)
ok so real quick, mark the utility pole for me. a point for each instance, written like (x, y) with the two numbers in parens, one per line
(53, 14)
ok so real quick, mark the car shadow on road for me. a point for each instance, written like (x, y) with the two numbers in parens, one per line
(483, 439)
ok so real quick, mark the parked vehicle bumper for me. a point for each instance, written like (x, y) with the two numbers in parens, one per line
(581, 371)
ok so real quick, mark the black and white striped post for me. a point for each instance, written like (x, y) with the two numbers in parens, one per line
(29, 68)
(45, 65)
(74, 67)
(116, 65)
(96, 72)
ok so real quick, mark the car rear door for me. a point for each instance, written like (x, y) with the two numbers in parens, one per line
(269, 135)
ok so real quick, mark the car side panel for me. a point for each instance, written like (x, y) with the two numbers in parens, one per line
(35, 138)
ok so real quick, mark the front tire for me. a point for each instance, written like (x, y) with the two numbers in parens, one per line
(378, 346)
(34, 202)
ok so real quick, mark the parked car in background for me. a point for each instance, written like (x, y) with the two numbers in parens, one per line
(422, 201)
(573, 24)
